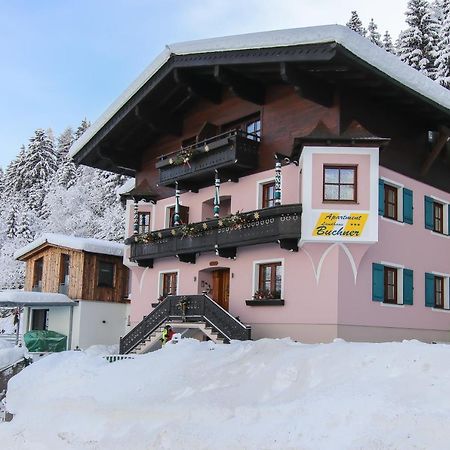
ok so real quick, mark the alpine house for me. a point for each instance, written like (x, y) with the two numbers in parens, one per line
(288, 183)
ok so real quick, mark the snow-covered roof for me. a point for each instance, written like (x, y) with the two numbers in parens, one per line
(359, 46)
(73, 242)
(24, 298)
(127, 186)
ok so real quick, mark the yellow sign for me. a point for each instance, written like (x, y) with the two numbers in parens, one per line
(338, 225)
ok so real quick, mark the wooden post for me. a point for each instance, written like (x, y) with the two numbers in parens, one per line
(136, 218)
(176, 216)
(217, 195)
(277, 181)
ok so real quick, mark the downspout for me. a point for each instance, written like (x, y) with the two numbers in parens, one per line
(69, 340)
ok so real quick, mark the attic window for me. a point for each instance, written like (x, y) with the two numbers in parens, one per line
(339, 183)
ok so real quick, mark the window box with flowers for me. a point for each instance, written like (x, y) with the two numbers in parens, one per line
(269, 282)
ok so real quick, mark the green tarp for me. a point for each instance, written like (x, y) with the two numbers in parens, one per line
(45, 341)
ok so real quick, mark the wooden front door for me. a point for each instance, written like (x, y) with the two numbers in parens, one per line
(221, 287)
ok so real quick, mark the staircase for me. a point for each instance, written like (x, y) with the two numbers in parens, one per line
(184, 312)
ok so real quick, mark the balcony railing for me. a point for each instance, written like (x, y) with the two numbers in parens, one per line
(233, 153)
(280, 224)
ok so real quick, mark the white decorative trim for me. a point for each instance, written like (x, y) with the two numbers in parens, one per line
(435, 233)
(142, 280)
(255, 280)
(392, 182)
(351, 259)
(393, 265)
(392, 305)
(167, 214)
(444, 310)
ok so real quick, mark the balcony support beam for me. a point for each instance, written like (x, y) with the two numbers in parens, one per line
(187, 258)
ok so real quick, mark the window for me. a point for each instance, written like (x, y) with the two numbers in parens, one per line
(64, 272)
(39, 319)
(37, 274)
(438, 292)
(169, 283)
(395, 202)
(184, 215)
(251, 125)
(438, 217)
(269, 280)
(143, 222)
(390, 285)
(268, 194)
(106, 274)
(390, 202)
(339, 183)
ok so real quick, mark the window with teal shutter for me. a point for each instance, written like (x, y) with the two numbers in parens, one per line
(407, 206)
(377, 282)
(448, 220)
(429, 290)
(381, 197)
(429, 225)
(408, 287)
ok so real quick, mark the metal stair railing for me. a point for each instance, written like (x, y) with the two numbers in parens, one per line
(186, 308)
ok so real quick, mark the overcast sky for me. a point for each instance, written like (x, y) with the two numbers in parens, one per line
(66, 60)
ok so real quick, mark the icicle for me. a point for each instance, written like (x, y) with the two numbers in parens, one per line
(277, 195)
(176, 216)
(217, 195)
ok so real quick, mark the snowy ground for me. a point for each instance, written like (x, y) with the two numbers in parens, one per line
(9, 354)
(269, 394)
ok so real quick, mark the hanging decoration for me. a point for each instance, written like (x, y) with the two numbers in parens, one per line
(135, 217)
(217, 195)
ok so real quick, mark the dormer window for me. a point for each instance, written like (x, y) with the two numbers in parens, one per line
(339, 183)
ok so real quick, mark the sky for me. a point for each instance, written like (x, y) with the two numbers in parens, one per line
(63, 61)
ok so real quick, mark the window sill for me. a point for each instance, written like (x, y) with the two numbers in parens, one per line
(392, 305)
(268, 302)
(436, 233)
(396, 221)
(441, 310)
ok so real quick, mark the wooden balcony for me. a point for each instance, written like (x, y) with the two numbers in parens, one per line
(281, 224)
(233, 153)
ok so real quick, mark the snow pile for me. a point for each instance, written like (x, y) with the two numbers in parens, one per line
(269, 394)
(9, 353)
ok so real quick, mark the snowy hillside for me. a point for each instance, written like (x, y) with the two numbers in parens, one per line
(269, 394)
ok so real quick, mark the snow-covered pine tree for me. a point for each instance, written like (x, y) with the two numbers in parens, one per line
(442, 63)
(12, 221)
(37, 169)
(84, 125)
(67, 172)
(387, 43)
(355, 24)
(24, 229)
(13, 181)
(372, 33)
(417, 44)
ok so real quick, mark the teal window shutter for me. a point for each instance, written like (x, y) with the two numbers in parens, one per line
(429, 290)
(408, 287)
(448, 220)
(428, 213)
(407, 206)
(377, 282)
(381, 197)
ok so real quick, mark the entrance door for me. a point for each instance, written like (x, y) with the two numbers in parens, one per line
(221, 287)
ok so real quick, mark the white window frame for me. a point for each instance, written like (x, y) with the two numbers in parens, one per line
(399, 188)
(167, 215)
(445, 205)
(399, 268)
(255, 278)
(259, 190)
(446, 278)
(160, 280)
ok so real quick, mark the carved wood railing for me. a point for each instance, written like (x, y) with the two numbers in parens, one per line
(280, 224)
(234, 152)
(186, 308)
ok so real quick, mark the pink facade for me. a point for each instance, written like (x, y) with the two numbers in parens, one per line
(327, 287)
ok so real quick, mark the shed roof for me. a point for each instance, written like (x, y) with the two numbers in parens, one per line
(13, 298)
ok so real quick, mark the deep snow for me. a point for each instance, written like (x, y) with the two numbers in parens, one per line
(269, 394)
(9, 354)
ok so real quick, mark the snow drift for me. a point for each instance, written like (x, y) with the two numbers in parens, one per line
(269, 394)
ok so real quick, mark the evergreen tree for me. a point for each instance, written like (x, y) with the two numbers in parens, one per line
(373, 34)
(85, 124)
(355, 24)
(443, 50)
(11, 221)
(387, 43)
(67, 173)
(416, 45)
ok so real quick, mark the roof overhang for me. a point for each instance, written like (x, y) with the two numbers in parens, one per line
(16, 298)
(329, 55)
